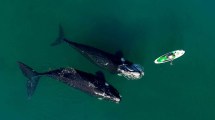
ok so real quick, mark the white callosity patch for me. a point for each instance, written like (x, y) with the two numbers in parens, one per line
(106, 84)
(117, 100)
(130, 73)
(91, 85)
(105, 96)
(123, 60)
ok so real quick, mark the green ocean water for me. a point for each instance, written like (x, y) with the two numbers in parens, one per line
(142, 29)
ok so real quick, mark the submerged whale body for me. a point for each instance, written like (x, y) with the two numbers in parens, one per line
(115, 63)
(94, 85)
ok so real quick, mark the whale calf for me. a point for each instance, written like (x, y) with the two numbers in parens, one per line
(95, 85)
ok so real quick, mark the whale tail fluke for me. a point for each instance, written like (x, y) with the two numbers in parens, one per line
(60, 38)
(33, 78)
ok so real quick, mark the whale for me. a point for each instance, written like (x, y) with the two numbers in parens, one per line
(94, 85)
(114, 63)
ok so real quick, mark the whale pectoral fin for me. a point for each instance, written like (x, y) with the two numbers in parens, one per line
(119, 53)
(100, 75)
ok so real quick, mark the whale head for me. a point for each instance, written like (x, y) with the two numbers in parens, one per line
(108, 92)
(131, 71)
